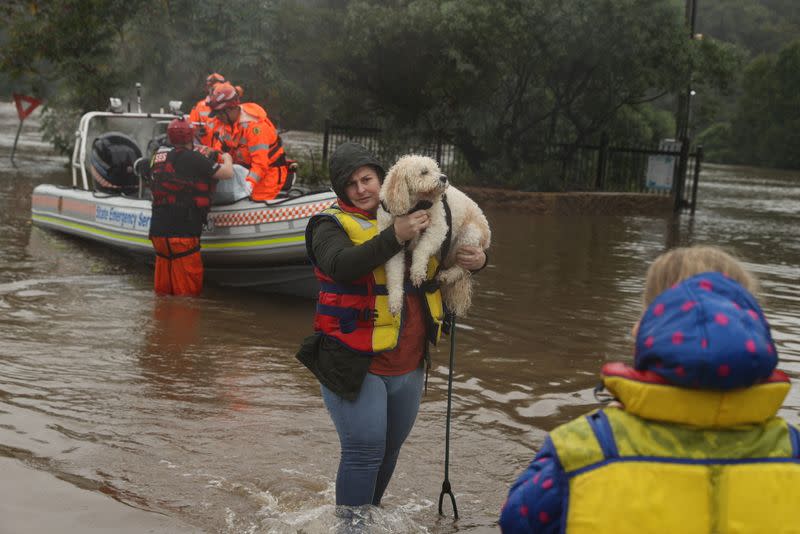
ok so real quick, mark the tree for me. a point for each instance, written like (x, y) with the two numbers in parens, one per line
(69, 42)
(766, 128)
(759, 26)
(499, 79)
(81, 52)
(503, 77)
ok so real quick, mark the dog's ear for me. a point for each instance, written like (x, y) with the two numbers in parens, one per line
(397, 195)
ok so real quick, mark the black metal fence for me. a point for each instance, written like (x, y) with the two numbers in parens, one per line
(449, 158)
(668, 169)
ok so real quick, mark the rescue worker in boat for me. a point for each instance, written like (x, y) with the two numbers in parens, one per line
(692, 442)
(244, 131)
(370, 364)
(199, 114)
(182, 182)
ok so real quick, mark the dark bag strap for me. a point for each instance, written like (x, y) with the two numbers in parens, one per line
(448, 217)
(347, 316)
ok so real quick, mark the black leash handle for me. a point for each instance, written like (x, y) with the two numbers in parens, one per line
(446, 489)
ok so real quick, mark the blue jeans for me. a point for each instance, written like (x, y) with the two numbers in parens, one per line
(371, 431)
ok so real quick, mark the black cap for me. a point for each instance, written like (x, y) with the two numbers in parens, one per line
(345, 160)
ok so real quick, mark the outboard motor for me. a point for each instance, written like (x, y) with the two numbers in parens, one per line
(112, 163)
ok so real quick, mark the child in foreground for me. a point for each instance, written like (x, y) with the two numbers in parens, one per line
(692, 443)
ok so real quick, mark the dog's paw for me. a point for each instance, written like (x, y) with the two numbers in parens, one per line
(417, 276)
(452, 275)
(396, 304)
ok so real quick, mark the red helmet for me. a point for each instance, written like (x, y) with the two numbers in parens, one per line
(223, 96)
(180, 132)
(214, 78)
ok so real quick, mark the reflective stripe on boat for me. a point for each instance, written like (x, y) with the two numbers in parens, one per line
(287, 213)
(256, 243)
(122, 237)
(90, 229)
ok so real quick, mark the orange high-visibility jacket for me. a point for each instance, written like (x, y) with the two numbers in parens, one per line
(199, 116)
(254, 143)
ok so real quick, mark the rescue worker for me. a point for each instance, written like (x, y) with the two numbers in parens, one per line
(245, 132)
(182, 181)
(199, 116)
(371, 365)
(692, 442)
(203, 126)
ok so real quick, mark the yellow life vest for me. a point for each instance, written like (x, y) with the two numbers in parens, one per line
(714, 472)
(357, 314)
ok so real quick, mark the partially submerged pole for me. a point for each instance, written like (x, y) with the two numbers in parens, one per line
(698, 162)
(14, 148)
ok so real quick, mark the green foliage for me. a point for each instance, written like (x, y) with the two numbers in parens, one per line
(504, 76)
(714, 63)
(68, 41)
(641, 125)
(717, 143)
(754, 27)
(498, 79)
(58, 127)
(760, 26)
(766, 127)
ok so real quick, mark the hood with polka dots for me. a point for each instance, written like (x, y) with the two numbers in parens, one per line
(706, 332)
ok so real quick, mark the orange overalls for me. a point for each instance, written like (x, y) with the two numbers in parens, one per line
(179, 267)
(254, 143)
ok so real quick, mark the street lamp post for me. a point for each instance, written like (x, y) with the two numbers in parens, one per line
(685, 100)
(683, 115)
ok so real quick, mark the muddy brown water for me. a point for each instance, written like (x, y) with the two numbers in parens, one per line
(196, 408)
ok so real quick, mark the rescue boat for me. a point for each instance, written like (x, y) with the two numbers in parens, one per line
(255, 245)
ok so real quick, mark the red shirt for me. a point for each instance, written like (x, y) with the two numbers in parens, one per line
(410, 349)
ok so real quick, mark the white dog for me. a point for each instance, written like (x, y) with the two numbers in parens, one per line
(417, 182)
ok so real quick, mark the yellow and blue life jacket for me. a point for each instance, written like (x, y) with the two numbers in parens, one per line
(678, 460)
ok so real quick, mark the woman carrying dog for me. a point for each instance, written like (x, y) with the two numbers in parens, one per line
(370, 364)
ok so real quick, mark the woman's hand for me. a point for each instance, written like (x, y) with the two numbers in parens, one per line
(410, 226)
(470, 258)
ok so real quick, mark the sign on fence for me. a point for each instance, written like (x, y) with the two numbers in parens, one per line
(661, 167)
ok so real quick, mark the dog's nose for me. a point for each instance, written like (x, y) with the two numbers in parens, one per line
(443, 178)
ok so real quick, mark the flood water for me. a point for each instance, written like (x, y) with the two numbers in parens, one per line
(196, 408)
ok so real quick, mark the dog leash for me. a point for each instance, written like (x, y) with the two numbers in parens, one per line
(446, 489)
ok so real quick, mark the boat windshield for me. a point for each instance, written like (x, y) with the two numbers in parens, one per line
(137, 133)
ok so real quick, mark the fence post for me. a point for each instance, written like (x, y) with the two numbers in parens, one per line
(325, 141)
(698, 161)
(680, 179)
(439, 148)
(600, 177)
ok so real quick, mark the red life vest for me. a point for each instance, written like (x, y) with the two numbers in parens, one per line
(170, 189)
(357, 314)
